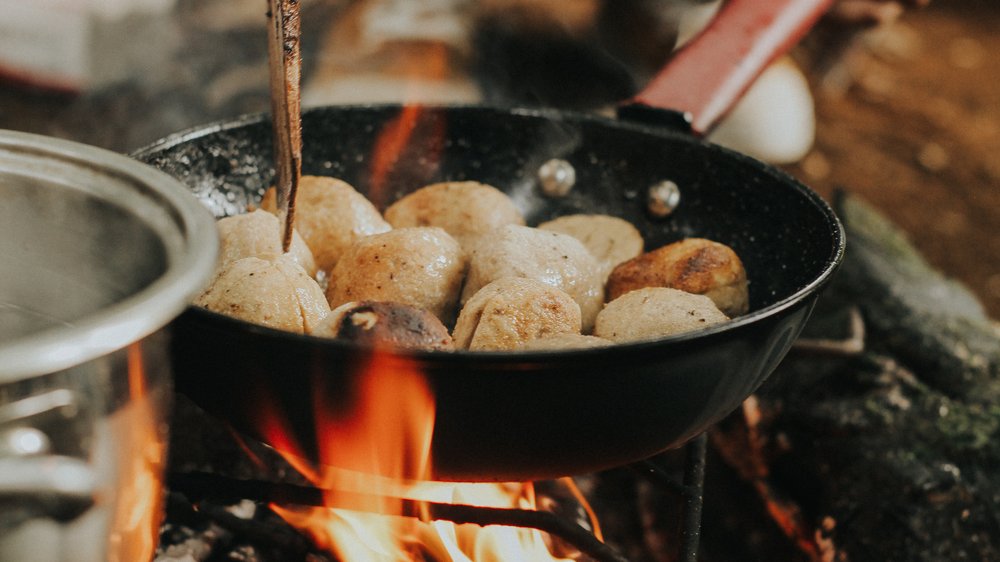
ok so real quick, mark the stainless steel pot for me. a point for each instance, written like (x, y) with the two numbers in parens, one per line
(99, 253)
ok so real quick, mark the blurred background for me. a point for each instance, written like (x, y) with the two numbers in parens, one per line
(906, 115)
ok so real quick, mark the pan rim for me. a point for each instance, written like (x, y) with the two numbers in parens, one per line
(505, 358)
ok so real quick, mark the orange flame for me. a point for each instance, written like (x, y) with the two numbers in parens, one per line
(398, 134)
(384, 440)
(141, 444)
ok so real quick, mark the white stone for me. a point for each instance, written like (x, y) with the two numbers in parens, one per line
(775, 121)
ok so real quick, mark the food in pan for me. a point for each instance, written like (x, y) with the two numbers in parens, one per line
(453, 243)
(330, 215)
(277, 293)
(558, 260)
(418, 266)
(464, 209)
(655, 312)
(510, 311)
(694, 265)
(257, 235)
(609, 239)
(390, 325)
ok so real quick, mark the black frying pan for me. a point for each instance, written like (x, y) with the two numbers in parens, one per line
(521, 416)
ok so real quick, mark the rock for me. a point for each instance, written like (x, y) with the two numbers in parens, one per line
(775, 120)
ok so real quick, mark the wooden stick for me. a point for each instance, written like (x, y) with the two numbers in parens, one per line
(285, 69)
(853, 344)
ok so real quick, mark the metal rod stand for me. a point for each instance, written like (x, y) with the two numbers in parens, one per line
(694, 497)
(691, 492)
(197, 486)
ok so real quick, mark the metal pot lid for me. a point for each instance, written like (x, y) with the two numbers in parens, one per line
(174, 242)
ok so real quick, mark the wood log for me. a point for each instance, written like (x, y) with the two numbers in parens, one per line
(886, 455)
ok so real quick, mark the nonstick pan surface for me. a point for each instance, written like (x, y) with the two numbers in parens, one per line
(519, 416)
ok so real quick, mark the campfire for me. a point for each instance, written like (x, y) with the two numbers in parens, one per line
(368, 495)
(383, 444)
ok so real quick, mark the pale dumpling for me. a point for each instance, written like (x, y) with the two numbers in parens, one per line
(421, 267)
(312, 302)
(258, 235)
(510, 311)
(655, 312)
(275, 293)
(558, 260)
(465, 209)
(610, 240)
(330, 215)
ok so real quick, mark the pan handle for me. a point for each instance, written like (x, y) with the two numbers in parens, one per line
(706, 77)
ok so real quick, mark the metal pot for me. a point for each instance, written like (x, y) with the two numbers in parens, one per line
(100, 253)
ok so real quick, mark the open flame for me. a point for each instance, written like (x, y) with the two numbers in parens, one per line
(141, 454)
(385, 439)
(410, 129)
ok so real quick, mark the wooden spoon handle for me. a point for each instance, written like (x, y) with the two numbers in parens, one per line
(285, 69)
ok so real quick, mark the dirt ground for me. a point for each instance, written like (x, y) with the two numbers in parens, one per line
(917, 134)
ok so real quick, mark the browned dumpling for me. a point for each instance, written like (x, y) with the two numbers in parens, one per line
(421, 267)
(558, 260)
(694, 265)
(258, 235)
(655, 312)
(465, 209)
(511, 311)
(609, 239)
(390, 325)
(275, 293)
(330, 215)
(565, 341)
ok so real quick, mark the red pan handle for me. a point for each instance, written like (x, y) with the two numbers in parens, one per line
(706, 77)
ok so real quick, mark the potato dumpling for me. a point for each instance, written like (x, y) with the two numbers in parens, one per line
(564, 341)
(511, 311)
(389, 325)
(465, 209)
(609, 239)
(330, 215)
(276, 293)
(421, 267)
(694, 265)
(258, 235)
(655, 312)
(558, 260)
